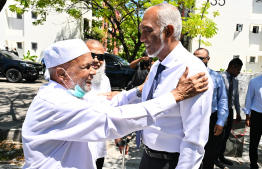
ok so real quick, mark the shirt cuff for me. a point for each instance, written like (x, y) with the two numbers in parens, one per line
(220, 122)
(247, 111)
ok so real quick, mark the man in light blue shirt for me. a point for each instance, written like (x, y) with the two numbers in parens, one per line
(253, 105)
(219, 111)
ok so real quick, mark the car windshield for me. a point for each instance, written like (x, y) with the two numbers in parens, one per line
(123, 61)
(10, 55)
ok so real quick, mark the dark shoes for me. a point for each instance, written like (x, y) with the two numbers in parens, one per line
(225, 161)
(219, 164)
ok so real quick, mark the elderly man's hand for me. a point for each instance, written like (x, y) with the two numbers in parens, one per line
(109, 95)
(189, 87)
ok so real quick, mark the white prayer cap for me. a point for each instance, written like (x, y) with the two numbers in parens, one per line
(64, 51)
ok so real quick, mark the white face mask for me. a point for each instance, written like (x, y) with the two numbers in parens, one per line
(78, 91)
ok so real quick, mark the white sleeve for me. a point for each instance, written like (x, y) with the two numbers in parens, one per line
(195, 113)
(75, 120)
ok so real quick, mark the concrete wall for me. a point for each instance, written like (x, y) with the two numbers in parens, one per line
(229, 42)
(56, 28)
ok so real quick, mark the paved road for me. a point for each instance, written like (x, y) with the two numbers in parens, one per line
(15, 99)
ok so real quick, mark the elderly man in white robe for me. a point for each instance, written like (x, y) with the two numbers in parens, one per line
(60, 123)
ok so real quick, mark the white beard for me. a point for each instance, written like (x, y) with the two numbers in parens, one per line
(99, 75)
(161, 47)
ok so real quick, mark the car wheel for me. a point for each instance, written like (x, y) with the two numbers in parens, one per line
(31, 79)
(13, 75)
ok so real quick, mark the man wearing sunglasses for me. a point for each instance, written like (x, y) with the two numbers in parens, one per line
(100, 84)
(219, 112)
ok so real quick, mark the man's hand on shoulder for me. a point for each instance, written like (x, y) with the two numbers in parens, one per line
(189, 87)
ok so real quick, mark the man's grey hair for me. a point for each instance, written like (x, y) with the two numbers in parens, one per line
(169, 15)
(93, 41)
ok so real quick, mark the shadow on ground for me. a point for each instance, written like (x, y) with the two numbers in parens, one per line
(14, 103)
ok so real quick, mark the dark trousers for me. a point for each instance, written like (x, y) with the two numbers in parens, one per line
(148, 162)
(255, 135)
(226, 134)
(100, 163)
(212, 145)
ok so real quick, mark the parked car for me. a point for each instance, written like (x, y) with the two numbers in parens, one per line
(15, 69)
(118, 70)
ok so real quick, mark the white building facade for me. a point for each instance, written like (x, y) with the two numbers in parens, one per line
(17, 31)
(239, 34)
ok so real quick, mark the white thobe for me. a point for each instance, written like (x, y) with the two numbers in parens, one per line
(58, 126)
(185, 127)
(98, 149)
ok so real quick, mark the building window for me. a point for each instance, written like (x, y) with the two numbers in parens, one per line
(255, 29)
(34, 45)
(19, 16)
(34, 15)
(235, 56)
(252, 59)
(19, 45)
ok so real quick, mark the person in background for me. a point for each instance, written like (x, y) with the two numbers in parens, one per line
(219, 112)
(231, 84)
(15, 52)
(177, 139)
(100, 84)
(43, 63)
(253, 107)
(142, 66)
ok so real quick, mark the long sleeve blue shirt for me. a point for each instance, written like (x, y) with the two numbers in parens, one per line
(254, 96)
(219, 102)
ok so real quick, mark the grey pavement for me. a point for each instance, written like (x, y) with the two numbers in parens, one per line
(114, 158)
(15, 99)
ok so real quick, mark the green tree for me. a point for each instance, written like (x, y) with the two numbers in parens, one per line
(123, 18)
(28, 57)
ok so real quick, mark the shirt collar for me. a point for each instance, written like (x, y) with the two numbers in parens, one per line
(209, 70)
(228, 75)
(172, 56)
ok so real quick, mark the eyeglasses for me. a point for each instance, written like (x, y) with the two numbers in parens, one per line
(99, 57)
(202, 58)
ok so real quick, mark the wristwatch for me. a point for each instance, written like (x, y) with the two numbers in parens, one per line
(138, 93)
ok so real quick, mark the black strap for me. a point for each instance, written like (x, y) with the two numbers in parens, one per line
(161, 154)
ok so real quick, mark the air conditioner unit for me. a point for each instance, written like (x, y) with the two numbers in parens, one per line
(255, 29)
(239, 27)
